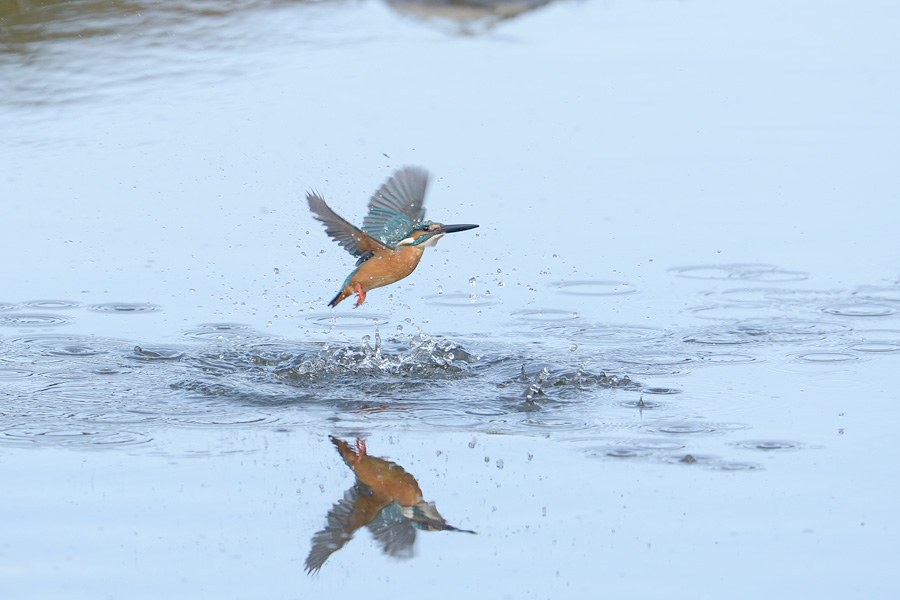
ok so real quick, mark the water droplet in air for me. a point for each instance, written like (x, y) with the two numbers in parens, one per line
(573, 347)
(499, 463)
(501, 283)
(471, 281)
(276, 271)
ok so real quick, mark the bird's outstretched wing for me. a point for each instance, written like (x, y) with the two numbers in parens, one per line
(396, 208)
(352, 239)
(338, 531)
(395, 533)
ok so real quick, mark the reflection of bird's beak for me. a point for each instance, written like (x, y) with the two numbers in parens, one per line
(446, 527)
(455, 228)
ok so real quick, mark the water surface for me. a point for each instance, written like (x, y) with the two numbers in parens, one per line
(662, 365)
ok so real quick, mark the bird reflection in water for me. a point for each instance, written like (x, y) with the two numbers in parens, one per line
(385, 499)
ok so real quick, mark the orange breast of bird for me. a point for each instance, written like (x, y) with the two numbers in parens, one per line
(388, 479)
(387, 267)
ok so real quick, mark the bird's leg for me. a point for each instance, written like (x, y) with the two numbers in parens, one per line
(360, 449)
(360, 295)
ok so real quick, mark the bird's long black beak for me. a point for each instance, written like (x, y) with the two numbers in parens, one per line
(455, 228)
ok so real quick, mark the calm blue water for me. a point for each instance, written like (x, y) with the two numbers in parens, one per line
(662, 366)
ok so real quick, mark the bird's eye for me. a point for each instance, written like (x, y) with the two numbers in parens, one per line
(425, 227)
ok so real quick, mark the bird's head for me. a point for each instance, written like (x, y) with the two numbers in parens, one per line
(427, 234)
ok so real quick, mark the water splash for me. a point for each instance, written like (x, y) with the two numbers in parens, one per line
(423, 355)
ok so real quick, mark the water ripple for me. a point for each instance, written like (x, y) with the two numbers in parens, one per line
(621, 334)
(31, 320)
(776, 296)
(769, 445)
(875, 347)
(860, 310)
(153, 354)
(594, 288)
(124, 308)
(743, 271)
(9, 374)
(826, 357)
(79, 437)
(348, 320)
(51, 304)
(464, 300)
(787, 330)
(692, 428)
(223, 331)
(76, 350)
(661, 391)
(729, 359)
(545, 315)
(890, 294)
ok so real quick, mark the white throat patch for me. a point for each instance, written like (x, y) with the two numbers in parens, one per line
(432, 241)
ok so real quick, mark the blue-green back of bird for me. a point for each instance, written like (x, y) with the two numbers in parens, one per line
(390, 227)
(396, 210)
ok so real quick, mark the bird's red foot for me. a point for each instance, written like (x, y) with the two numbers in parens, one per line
(360, 295)
(360, 449)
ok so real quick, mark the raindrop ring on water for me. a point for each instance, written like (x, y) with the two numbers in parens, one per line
(594, 288)
(545, 315)
(348, 321)
(744, 272)
(464, 300)
(22, 320)
(123, 308)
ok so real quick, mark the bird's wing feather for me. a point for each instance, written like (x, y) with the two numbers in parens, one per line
(351, 238)
(395, 533)
(338, 531)
(396, 207)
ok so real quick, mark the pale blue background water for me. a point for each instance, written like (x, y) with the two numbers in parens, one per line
(626, 162)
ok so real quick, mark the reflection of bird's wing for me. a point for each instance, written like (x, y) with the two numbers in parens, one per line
(338, 531)
(355, 241)
(395, 533)
(396, 207)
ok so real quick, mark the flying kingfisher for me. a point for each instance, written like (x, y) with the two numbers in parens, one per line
(393, 237)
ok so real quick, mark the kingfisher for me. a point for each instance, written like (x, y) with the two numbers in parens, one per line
(385, 499)
(393, 237)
